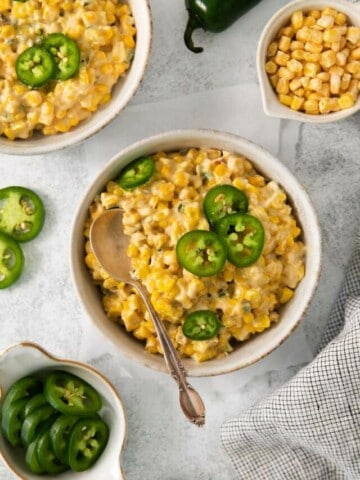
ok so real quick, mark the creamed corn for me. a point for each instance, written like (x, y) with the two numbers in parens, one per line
(157, 214)
(105, 33)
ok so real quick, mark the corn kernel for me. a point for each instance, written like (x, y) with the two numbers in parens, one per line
(346, 101)
(297, 19)
(300, 92)
(309, 21)
(271, 67)
(326, 21)
(311, 69)
(284, 43)
(287, 31)
(329, 11)
(285, 99)
(274, 80)
(353, 34)
(294, 66)
(355, 54)
(340, 18)
(272, 49)
(304, 34)
(325, 90)
(335, 83)
(313, 47)
(315, 14)
(337, 70)
(315, 84)
(298, 54)
(311, 106)
(281, 58)
(296, 102)
(324, 76)
(282, 86)
(295, 84)
(285, 73)
(328, 59)
(295, 45)
(285, 295)
(312, 57)
(353, 67)
(345, 81)
(332, 35)
(341, 59)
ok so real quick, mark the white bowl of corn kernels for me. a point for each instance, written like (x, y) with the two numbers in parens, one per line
(113, 40)
(259, 306)
(308, 61)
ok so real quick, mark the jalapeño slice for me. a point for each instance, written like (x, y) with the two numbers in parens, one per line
(223, 200)
(201, 325)
(244, 236)
(65, 53)
(35, 66)
(11, 261)
(45, 454)
(22, 213)
(59, 435)
(201, 252)
(137, 173)
(88, 439)
(34, 422)
(71, 395)
(11, 421)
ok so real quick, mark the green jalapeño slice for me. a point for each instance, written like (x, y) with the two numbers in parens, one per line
(244, 236)
(201, 252)
(71, 395)
(87, 441)
(65, 53)
(35, 66)
(201, 325)
(11, 260)
(223, 200)
(22, 213)
(137, 173)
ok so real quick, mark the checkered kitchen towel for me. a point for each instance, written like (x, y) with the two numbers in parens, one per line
(310, 428)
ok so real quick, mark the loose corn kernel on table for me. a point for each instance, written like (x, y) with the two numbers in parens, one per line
(42, 306)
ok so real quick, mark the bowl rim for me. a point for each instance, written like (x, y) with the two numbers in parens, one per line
(76, 363)
(149, 145)
(271, 105)
(95, 123)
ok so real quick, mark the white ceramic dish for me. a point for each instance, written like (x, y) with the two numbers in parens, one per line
(271, 104)
(122, 93)
(25, 358)
(259, 346)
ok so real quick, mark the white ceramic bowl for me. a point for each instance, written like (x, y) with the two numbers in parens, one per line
(26, 358)
(122, 93)
(257, 347)
(271, 104)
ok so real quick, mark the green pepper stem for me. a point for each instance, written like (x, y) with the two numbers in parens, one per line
(192, 24)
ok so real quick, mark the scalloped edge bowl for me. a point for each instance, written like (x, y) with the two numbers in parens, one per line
(122, 92)
(258, 346)
(25, 358)
(271, 105)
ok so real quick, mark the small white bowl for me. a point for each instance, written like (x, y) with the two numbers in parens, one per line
(26, 358)
(122, 93)
(250, 351)
(271, 104)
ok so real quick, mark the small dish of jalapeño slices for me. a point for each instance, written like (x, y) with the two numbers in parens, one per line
(55, 418)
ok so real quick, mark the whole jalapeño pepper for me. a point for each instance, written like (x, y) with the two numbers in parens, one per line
(213, 15)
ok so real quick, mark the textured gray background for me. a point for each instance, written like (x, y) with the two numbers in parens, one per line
(43, 307)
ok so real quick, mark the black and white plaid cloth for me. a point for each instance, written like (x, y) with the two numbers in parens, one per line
(310, 428)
